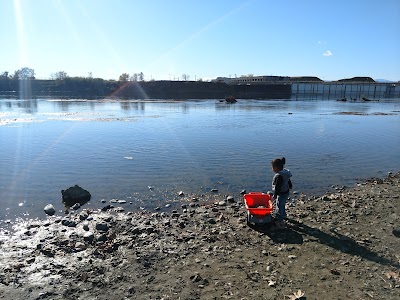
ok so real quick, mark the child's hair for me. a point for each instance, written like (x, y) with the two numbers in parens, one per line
(278, 163)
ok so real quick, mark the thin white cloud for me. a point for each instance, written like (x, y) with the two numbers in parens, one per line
(327, 53)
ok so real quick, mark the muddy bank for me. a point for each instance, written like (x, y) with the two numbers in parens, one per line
(341, 245)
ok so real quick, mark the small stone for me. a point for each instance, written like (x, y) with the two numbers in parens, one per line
(181, 193)
(396, 231)
(214, 190)
(107, 207)
(195, 278)
(102, 238)
(76, 206)
(121, 201)
(83, 216)
(292, 256)
(79, 246)
(230, 199)
(102, 226)
(49, 209)
(222, 203)
(65, 222)
(242, 192)
(88, 236)
(72, 224)
(211, 221)
(30, 260)
(85, 225)
(271, 283)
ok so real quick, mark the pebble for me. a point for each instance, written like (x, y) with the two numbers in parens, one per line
(102, 226)
(107, 207)
(79, 246)
(83, 216)
(88, 236)
(49, 209)
(76, 206)
(85, 225)
(396, 231)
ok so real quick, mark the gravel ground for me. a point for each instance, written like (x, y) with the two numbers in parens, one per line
(342, 245)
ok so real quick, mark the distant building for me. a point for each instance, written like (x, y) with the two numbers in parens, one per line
(226, 80)
(265, 79)
(305, 79)
(253, 79)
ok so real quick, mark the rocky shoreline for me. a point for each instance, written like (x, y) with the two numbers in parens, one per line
(342, 245)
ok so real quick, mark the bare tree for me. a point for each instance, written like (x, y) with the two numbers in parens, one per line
(24, 74)
(185, 77)
(124, 77)
(134, 77)
(61, 75)
(141, 76)
(4, 75)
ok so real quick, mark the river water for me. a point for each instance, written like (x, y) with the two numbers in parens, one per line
(145, 152)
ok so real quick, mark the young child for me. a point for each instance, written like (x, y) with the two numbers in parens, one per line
(281, 185)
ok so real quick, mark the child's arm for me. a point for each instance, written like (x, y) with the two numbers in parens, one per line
(278, 181)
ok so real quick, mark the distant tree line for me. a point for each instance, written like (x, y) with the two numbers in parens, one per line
(22, 83)
(60, 84)
(21, 74)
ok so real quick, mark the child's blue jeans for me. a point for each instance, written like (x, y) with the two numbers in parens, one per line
(280, 210)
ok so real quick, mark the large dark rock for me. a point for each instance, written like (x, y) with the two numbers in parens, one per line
(74, 195)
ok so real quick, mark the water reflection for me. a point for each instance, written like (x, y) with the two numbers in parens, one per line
(29, 106)
(132, 105)
(39, 106)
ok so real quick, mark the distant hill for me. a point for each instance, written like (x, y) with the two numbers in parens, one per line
(384, 80)
(357, 79)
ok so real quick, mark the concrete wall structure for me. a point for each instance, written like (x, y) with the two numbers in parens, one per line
(348, 90)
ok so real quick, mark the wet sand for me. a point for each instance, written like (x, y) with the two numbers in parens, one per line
(342, 245)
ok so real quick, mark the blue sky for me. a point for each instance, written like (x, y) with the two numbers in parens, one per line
(203, 39)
